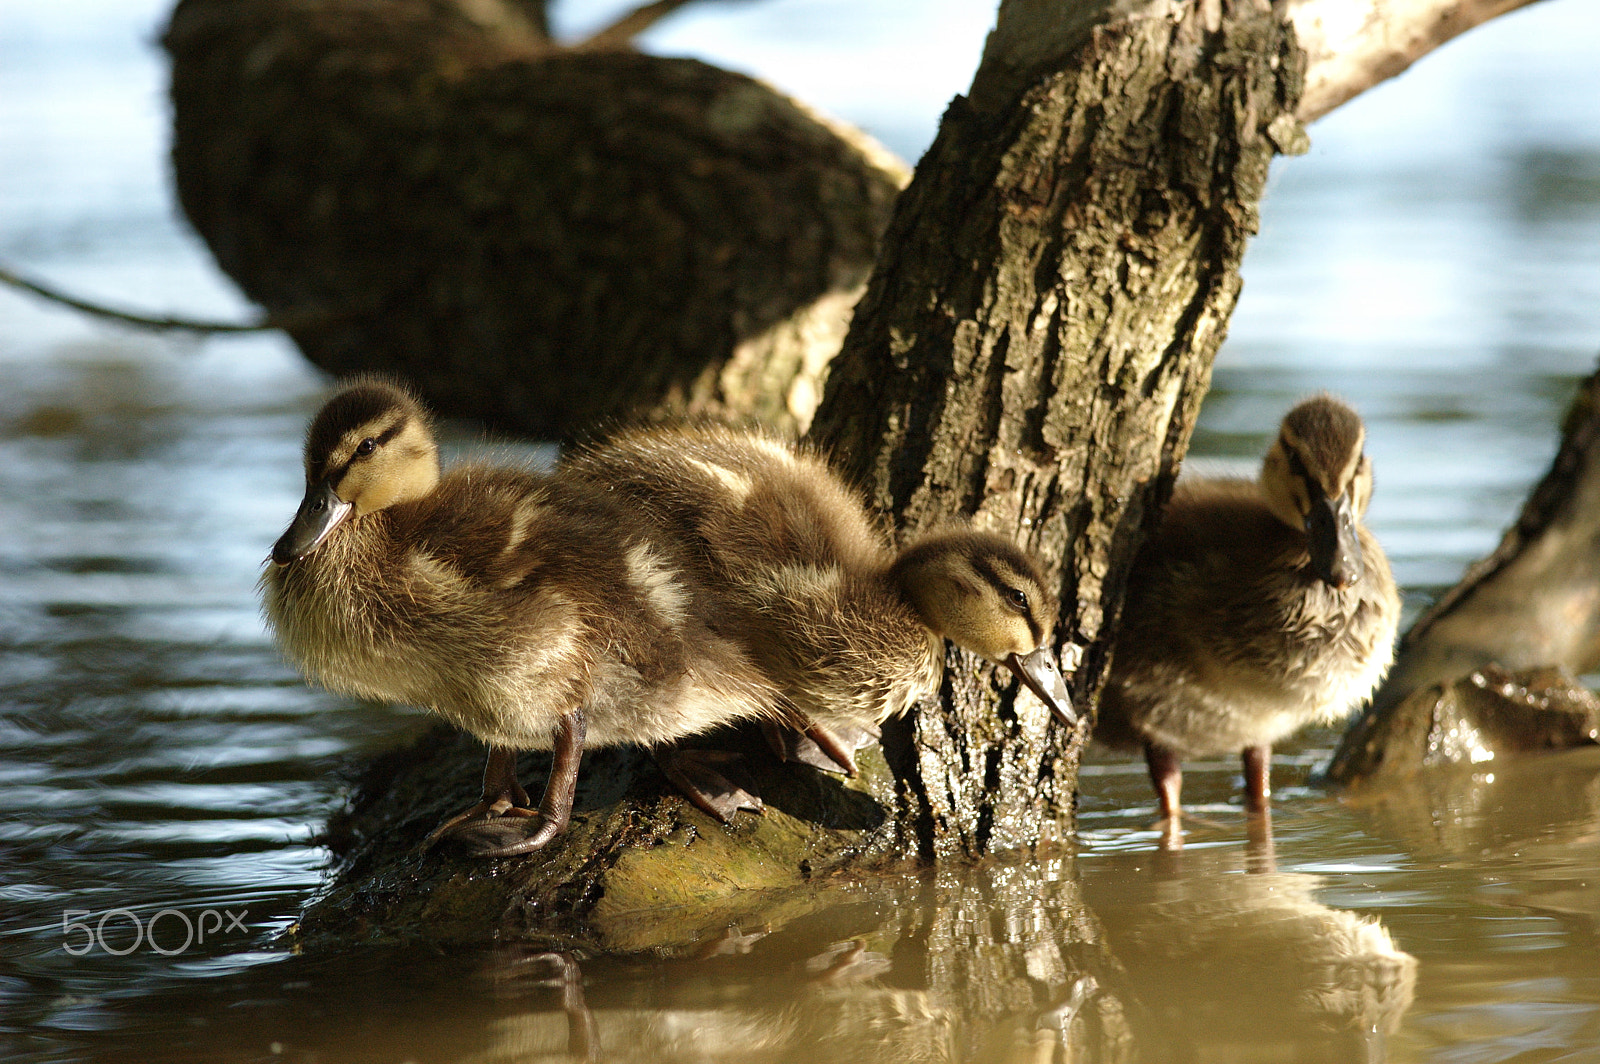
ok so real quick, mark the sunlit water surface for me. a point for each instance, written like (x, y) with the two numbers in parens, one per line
(1436, 260)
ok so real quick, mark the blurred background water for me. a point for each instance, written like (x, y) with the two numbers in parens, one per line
(1435, 259)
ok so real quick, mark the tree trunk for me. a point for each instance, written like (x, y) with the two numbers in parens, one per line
(545, 239)
(1034, 345)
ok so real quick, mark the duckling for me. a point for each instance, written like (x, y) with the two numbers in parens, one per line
(851, 632)
(1254, 609)
(536, 612)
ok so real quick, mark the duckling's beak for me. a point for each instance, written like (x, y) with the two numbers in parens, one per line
(1335, 545)
(321, 511)
(1039, 671)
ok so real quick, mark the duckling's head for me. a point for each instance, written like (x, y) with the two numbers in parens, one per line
(371, 446)
(982, 593)
(1317, 479)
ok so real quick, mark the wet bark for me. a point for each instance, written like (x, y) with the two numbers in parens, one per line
(537, 237)
(1488, 715)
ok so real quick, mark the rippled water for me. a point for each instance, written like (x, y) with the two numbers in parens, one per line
(1436, 259)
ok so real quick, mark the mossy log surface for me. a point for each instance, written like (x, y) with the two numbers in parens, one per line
(536, 237)
(640, 868)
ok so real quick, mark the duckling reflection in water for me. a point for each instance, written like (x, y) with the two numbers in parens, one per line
(1225, 962)
(535, 612)
(1254, 609)
(851, 631)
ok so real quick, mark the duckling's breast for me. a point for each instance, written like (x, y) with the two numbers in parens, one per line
(354, 624)
(363, 616)
(1229, 640)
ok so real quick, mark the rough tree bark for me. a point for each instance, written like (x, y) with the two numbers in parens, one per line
(1035, 343)
(538, 237)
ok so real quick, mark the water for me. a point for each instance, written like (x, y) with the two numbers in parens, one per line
(1436, 259)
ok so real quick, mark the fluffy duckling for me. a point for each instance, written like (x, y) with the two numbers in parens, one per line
(850, 631)
(536, 612)
(1255, 608)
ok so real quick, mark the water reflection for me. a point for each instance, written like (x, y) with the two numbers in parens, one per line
(1228, 959)
(1485, 812)
(1003, 964)
(1197, 956)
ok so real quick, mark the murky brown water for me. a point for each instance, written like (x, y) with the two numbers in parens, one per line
(162, 773)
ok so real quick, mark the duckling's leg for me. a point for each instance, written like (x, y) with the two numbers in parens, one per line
(555, 808)
(1257, 780)
(1166, 773)
(829, 749)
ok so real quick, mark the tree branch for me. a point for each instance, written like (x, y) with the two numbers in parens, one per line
(620, 34)
(1352, 45)
(306, 320)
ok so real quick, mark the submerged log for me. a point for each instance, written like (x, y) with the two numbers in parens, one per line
(1531, 607)
(1486, 715)
(1536, 599)
(537, 237)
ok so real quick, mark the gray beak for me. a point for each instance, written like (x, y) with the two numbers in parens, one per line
(1335, 546)
(1043, 677)
(321, 511)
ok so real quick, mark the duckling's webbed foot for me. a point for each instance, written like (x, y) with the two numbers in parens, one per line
(828, 749)
(503, 796)
(495, 826)
(700, 775)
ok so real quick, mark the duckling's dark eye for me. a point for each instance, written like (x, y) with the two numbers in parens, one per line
(366, 447)
(1017, 597)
